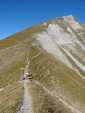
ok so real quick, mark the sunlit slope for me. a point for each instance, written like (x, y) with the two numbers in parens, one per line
(56, 50)
(13, 54)
(12, 60)
(58, 62)
(43, 101)
(60, 80)
(11, 98)
(23, 36)
(65, 43)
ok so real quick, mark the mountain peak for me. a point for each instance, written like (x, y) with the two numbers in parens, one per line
(72, 22)
(69, 17)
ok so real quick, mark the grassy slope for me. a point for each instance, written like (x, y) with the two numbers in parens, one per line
(10, 98)
(13, 52)
(13, 56)
(42, 102)
(58, 78)
(21, 37)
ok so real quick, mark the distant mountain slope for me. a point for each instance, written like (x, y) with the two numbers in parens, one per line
(56, 50)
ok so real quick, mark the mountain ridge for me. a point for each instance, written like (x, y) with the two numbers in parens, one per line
(56, 51)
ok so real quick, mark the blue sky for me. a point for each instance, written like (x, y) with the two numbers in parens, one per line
(16, 15)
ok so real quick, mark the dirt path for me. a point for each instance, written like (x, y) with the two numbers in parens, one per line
(26, 107)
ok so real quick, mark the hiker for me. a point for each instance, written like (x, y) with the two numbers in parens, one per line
(29, 75)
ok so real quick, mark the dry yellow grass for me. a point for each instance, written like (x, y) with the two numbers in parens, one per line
(42, 102)
(58, 78)
(11, 98)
